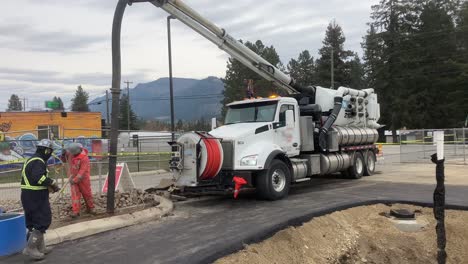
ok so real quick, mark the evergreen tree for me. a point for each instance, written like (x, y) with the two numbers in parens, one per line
(386, 41)
(14, 103)
(373, 52)
(123, 115)
(417, 64)
(60, 103)
(302, 69)
(334, 42)
(80, 101)
(237, 75)
(356, 73)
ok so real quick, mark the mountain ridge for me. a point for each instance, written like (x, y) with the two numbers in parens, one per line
(150, 101)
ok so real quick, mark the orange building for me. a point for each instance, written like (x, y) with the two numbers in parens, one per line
(53, 124)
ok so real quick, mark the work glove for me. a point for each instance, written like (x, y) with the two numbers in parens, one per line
(54, 186)
(71, 181)
(76, 180)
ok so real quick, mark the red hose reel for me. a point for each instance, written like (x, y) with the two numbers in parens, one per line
(214, 156)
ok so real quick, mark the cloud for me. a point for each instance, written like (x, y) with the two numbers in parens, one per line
(53, 77)
(26, 37)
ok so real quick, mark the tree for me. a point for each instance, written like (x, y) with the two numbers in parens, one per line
(417, 63)
(386, 49)
(237, 74)
(80, 101)
(302, 69)
(356, 73)
(123, 115)
(334, 43)
(59, 102)
(14, 103)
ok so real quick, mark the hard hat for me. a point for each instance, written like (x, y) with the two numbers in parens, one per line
(46, 143)
(75, 148)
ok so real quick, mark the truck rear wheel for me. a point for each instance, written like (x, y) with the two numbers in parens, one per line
(273, 183)
(357, 167)
(369, 169)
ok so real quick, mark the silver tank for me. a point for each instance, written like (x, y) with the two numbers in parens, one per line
(355, 135)
(334, 162)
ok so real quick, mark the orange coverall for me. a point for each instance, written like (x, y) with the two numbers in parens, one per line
(79, 174)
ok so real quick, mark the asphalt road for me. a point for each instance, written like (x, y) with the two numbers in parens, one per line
(204, 230)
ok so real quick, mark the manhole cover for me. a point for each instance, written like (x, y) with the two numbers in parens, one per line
(402, 213)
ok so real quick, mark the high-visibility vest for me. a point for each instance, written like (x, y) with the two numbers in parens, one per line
(27, 185)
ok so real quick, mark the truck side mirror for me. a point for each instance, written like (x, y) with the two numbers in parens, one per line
(213, 123)
(289, 118)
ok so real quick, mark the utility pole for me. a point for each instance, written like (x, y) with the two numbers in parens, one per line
(171, 85)
(107, 108)
(332, 73)
(332, 59)
(24, 104)
(128, 110)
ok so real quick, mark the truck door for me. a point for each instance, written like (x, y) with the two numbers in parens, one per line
(287, 135)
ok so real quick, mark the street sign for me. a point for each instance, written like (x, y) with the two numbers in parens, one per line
(52, 104)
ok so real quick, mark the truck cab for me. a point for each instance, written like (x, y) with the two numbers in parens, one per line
(258, 127)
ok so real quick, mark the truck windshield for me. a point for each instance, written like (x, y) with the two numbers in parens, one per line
(253, 112)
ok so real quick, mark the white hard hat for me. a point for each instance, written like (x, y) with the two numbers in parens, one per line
(46, 143)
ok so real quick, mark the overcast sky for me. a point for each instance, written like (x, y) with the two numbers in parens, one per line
(48, 47)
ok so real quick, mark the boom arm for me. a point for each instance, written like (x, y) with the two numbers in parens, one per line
(224, 41)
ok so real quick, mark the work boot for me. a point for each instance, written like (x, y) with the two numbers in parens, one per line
(74, 215)
(31, 249)
(91, 211)
(42, 247)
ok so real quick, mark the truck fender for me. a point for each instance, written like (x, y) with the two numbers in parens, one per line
(281, 156)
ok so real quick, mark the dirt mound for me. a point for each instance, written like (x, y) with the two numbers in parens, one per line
(360, 235)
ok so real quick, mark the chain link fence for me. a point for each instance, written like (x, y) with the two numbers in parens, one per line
(146, 154)
(419, 145)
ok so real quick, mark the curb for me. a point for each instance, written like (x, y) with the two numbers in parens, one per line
(89, 228)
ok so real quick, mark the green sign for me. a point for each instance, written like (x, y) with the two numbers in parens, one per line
(52, 104)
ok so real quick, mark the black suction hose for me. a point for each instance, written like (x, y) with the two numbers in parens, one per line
(115, 90)
(330, 120)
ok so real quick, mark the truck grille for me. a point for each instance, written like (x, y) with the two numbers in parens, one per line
(228, 153)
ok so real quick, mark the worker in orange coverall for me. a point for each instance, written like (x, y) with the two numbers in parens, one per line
(79, 176)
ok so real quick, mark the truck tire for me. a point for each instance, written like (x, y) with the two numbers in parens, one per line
(357, 167)
(273, 183)
(370, 158)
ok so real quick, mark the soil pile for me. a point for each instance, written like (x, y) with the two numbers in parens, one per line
(360, 235)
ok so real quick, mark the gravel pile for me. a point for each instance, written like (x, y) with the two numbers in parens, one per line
(61, 208)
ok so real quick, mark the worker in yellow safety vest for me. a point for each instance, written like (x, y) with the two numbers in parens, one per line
(35, 187)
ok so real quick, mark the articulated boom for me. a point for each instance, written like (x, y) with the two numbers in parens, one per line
(224, 41)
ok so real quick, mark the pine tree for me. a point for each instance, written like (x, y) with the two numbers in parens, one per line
(123, 115)
(334, 42)
(416, 61)
(80, 101)
(237, 74)
(59, 102)
(14, 103)
(302, 69)
(356, 73)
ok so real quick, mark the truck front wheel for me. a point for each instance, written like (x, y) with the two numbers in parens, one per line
(273, 183)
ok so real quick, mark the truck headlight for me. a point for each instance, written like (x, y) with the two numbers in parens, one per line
(249, 160)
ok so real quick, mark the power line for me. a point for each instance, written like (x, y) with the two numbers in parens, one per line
(182, 97)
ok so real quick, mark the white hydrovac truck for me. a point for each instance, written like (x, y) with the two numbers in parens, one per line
(269, 143)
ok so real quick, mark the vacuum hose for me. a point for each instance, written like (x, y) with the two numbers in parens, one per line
(330, 120)
(115, 90)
